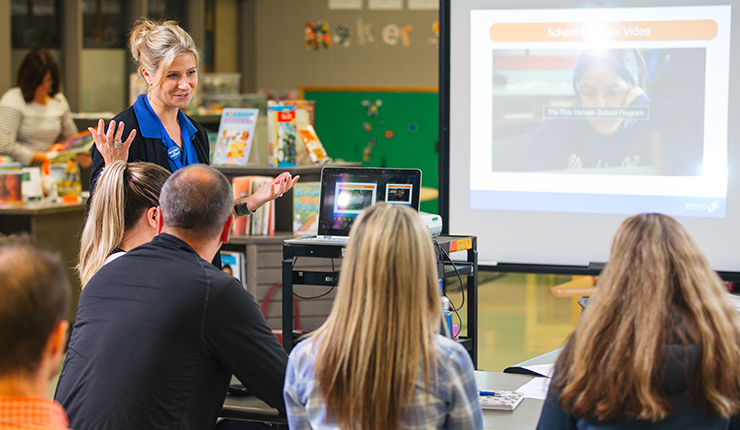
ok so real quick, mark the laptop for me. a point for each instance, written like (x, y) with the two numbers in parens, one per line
(346, 191)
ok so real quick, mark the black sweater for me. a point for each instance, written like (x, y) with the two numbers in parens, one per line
(159, 331)
(680, 367)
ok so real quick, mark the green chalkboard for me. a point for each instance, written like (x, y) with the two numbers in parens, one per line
(403, 124)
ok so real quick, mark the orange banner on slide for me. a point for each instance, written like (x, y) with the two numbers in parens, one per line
(705, 29)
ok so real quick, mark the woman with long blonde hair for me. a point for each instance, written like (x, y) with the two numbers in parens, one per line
(659, 344)
(378, 361)
(125, 218)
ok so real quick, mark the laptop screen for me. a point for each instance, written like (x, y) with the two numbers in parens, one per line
(346, 191)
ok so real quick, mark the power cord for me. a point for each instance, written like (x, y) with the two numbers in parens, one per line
(444, 255)
(295, 259)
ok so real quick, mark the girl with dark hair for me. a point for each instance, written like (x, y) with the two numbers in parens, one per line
(605, 79)
(35, 114)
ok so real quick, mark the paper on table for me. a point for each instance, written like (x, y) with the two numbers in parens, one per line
(541, 369)
(535, 389)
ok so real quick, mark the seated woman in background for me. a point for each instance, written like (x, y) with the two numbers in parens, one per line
(35, 114)
(658, 346)
(123, 220)
(378, 362)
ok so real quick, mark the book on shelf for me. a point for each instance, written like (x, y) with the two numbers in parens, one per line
(281, 136)
(283, 118)
(262, 221)
(232, 262)
(311, 142)
(306, 198)
(235, 136)
(500, 400)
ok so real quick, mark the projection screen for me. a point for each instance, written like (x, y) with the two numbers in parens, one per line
(566, 117)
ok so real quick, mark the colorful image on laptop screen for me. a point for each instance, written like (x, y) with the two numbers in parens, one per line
(346, 191)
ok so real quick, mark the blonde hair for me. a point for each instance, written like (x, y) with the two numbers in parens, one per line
(155, 45)
(657, 289)
(382, 323)
(122, 195)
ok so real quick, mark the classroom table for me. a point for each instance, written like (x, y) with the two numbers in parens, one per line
(524, 417)
(56, 226)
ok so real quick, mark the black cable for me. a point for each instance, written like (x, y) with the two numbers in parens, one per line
(459, 327)
(295, 259)
(316, 297)
(459, 277)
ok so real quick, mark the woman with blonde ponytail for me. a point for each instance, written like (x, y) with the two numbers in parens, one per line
(123, 220)
(658, 346)
(378, 361)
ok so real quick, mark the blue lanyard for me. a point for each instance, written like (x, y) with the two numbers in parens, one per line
(177, 157)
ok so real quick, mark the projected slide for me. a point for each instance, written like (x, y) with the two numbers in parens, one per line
(398, 194)
(613, 111)
(353, 197)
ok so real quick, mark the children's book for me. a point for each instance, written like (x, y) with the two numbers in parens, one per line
(70, 147)
(500, 400)
(262, 222)
(235, 136)
(313, 145)
(242, 186)
(281, 135)
(306, 197)
(283, 118)
(233, 263)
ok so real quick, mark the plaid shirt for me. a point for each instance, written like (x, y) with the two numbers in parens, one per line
(453, 400)
(31, 414)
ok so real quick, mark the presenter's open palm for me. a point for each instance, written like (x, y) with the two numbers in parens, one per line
(272, 190)
(109, 142)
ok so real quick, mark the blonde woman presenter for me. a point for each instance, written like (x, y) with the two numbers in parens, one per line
(155, 127)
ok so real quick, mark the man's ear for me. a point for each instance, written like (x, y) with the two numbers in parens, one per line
(151, 217)
(227, 229)
(55, 346)
(160, 221)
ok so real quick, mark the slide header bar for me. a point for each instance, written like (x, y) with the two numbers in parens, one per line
(705, 29)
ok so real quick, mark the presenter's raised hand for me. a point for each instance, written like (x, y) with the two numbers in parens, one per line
(109, 142)
(271, 190)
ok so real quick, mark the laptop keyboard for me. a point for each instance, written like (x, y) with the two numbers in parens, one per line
(335, 239)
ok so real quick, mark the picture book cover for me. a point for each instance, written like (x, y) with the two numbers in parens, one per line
(306, 198)
(313, 145)
(232, 263)
(235, 136)
(281, 123)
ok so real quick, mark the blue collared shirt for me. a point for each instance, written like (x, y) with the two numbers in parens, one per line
(453, 397)
(151, 127)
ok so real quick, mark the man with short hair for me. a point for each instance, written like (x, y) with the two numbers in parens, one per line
(34, 296)
(160, 330)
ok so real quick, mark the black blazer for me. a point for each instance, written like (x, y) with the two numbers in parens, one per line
(150, 150)
(145, 149)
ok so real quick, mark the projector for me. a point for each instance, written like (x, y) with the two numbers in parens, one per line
(433, 223)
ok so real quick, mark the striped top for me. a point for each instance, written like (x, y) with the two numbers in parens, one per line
(26, 128)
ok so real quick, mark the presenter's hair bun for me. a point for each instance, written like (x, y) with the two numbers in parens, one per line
(154, 46)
